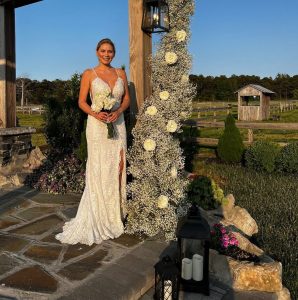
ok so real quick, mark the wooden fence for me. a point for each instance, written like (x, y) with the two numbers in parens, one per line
(251, 126)
(217, 113)
(36, 109)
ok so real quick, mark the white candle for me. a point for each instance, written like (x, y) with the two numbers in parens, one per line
(197, 267)
(186, 271)
(167, 291)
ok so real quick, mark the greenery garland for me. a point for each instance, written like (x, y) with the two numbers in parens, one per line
(156, 161)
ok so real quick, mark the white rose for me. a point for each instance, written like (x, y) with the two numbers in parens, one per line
(180, 35)
(96, 107)
(151, 110)
(174, 172)
(183, 114)
(149, 145)
(172, 126)
(184, 78)
(171, 58)
(164, 95)
(162, 201)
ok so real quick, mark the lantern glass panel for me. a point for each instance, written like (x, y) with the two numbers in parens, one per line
(191, 247)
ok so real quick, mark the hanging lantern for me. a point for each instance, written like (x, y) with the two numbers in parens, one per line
(166, 280)
(193, 252)
(155, 16)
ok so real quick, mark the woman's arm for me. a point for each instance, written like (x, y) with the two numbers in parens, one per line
(125, 100)
(83, 105)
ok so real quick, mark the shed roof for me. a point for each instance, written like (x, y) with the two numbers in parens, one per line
(257, 87)
(17, 3)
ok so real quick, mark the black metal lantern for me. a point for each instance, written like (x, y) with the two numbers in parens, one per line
(155, 16)
(166, 280)
(193, 235)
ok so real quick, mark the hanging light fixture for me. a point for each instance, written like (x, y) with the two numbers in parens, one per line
(155, 16)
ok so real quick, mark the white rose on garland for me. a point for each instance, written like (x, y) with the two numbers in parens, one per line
(164, 95)
(171, 58)
(151, 110)
(174, 172)
(183, 114)
(180, 35)
(172, 126)
(162, 201)
(185, 78)
(149, 145)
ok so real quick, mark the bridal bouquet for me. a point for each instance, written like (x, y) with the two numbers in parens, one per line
(103, 101)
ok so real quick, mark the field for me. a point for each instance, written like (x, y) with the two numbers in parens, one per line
(36, 121)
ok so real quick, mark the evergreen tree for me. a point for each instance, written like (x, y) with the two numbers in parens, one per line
(230, 145)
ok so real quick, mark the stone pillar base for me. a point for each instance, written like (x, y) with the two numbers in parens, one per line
(15, 146)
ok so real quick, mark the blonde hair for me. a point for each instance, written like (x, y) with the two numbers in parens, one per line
(106, 41)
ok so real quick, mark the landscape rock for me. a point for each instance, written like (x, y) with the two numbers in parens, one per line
(284, 294)
(17, 179)
(4, 180)
(246, 245)
(240, 218)
(246, 276)
(35, 159)
(264, 277)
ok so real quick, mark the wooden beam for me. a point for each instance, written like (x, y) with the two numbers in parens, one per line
(7, 67)
(140, 49)
(17, 3)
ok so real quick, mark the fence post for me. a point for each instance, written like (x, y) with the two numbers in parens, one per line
(250, 136)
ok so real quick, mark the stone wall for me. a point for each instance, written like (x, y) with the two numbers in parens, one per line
(15, 145)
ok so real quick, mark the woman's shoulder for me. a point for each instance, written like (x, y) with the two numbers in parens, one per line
(121, 72)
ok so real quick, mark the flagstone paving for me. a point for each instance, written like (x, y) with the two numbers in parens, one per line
(34, 265)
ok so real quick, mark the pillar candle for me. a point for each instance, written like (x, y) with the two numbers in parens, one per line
(197, 267)
(167, 291)
(186, 272)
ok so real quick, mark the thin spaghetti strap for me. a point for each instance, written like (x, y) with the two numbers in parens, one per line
(117, 72)
(94, 72)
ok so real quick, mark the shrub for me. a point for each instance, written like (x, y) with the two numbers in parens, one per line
(190, 149)
(287, 160)
(205, 192)
(61, 173)
(261, 156)
(81, 152)
(64, 123)
(230, 145)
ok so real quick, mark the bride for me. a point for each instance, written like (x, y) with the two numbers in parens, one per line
(99, 216)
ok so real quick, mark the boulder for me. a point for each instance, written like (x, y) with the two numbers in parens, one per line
(265, 277)
(240, 218)
(17, 179)
(35, 159)
(246, 245)
(4, 180)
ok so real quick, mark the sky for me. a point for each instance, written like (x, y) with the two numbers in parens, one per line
(56, 38)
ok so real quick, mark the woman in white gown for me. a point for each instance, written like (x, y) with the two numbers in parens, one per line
(99, 216)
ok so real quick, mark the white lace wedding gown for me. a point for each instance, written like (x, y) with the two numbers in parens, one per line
(99, 216)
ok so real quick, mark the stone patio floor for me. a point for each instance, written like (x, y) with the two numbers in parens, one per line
(34, 265)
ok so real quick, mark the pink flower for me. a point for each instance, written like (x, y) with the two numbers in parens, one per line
(225, 244)
(223, 230)
(225, 237)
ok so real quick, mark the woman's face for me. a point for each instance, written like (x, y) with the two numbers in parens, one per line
(105, 54)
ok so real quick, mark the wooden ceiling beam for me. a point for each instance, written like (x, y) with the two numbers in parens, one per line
(17, 3)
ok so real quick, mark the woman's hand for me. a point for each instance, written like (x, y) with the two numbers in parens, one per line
(113, 116)
(102, 116)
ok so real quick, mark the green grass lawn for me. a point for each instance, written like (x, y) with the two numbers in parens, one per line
(272, 200)
(36, 121)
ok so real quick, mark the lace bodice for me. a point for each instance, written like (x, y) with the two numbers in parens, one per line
(98, 85)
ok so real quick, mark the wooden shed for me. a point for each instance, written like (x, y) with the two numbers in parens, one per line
(253, 103)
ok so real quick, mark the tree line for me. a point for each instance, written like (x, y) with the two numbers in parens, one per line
(222, 88)
(208, 88)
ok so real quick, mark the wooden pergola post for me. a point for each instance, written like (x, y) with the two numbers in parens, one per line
(140, 49)
(7, 67)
